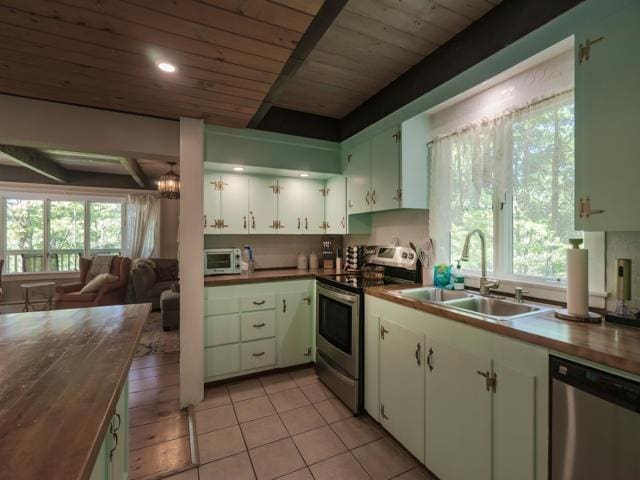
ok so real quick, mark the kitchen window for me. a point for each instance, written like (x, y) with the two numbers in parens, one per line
(50, 234)
(513, 178)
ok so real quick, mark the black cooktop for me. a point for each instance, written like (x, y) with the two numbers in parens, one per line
(355, 282)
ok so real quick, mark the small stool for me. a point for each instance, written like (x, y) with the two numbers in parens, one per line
(170, 309)
(30, 289)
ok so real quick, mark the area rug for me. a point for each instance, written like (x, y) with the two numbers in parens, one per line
(155, 340)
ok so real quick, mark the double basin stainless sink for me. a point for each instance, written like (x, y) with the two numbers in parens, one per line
(490, 307)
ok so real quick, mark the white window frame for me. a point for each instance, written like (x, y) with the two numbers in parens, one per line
(47, 198)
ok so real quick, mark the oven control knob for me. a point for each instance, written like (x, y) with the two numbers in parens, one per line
(411, 256)
(404, 255)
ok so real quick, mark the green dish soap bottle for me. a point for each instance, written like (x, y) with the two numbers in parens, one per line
(458, 277)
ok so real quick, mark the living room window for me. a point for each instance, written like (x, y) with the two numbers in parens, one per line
(50, 234)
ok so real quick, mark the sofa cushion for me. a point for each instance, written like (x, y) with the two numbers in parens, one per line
(78, 297)
(158, 288)
(166, 269)
(98, 282)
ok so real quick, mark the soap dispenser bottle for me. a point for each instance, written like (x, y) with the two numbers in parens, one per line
(458, 277)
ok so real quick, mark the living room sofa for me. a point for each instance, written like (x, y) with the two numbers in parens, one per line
(149, 283)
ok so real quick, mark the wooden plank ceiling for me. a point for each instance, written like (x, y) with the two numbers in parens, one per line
(103, 53)
(370, 44)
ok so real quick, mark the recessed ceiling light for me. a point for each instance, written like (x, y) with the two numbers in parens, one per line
(239, 169)
(304, 174)
(166, 67)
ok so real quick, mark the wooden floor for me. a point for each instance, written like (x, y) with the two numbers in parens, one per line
(158, 436)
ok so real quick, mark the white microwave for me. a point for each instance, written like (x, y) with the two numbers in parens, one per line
(220, 261)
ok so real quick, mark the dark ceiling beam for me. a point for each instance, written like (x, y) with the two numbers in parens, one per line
(133, 167)
(301, 124)
(501, 26)
(37, 161)
(79, 179)
(317, 28)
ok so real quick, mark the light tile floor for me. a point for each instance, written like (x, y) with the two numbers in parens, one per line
(289, 426)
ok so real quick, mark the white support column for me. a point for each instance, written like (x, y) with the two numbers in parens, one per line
(191, 248)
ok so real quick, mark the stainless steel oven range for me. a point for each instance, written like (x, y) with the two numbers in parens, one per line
(340, 320)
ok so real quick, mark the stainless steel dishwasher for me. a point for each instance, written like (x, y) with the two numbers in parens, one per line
(595, 424)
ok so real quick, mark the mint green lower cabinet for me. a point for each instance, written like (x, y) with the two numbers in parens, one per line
(295, 318)
(112, 462)
(469, 431)
(258, 326)
(457, 413)
(402, 385)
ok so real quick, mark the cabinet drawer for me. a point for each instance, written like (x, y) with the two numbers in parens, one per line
(221, 306)
(260, 353)
(221, 329)
(257, 302)
(256, 325)
(221, 360)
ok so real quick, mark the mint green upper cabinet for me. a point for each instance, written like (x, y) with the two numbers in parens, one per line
(385, 170)
(313, 206)
(290, 205)
(358, 173)
(402, 380)
(294, 317)
(234, 204)
(607, 107)
(458, 413)
(336, 205)
(263, 205)
(211, 199)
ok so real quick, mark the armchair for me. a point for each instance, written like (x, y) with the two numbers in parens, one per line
(69, 296)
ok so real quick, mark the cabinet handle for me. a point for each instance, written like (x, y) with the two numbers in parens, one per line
(253, 222)
(585, 208)
(373, 197)
(382, 414)
(261, 302)
(205, 221)
(584, 51)
(308, 354)
(383, 331)
(274, 224)
(366, 198)
(349, 158)
(244, 222)
(280, 225)
(306, 223)
(284, 305)
(419, 354)
(350, 204)
(430, 360)
(115, 447)
(298, 223)
(117, 415)
(307, 299)
(258, 354)
(259, 325)
(222, 224)
(342, 222)
(491, 380)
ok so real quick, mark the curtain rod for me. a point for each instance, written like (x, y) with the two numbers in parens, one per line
(509, 113)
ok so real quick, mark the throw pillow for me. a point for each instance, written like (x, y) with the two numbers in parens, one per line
(166, 270)
(98, 282)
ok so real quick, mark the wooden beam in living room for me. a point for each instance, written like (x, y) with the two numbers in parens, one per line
(36, 161)
(132, 166)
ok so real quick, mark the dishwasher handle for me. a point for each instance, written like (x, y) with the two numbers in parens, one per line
(607, 386)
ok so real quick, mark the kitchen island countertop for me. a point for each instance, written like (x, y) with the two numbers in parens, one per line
(61, 373)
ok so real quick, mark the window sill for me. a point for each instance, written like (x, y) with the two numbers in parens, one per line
(34, 276)
(542, 290)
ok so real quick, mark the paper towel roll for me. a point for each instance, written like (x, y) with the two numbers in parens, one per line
(578, 282)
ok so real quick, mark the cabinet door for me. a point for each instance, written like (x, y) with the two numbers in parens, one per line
(385, 170)
(336, 205)
(457, 414)
(514, 414)
(313, 207)
(263, 205)
(234, 209)
(294, 328)
(607, 102)
(402, 380)
(358, 174)
(290, 205)
(119, 432)
(211, 199)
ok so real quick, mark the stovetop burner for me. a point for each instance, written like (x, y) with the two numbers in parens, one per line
(357, 282)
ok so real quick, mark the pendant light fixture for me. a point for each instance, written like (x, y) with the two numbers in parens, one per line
(169, 184)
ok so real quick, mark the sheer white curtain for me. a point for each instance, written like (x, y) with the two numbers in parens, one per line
(142, 226)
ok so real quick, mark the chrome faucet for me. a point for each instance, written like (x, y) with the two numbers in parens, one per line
(486, 285)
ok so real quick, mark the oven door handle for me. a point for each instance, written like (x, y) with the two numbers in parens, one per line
(337, 296)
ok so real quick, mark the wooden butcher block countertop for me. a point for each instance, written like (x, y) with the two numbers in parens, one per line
(61, 373)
